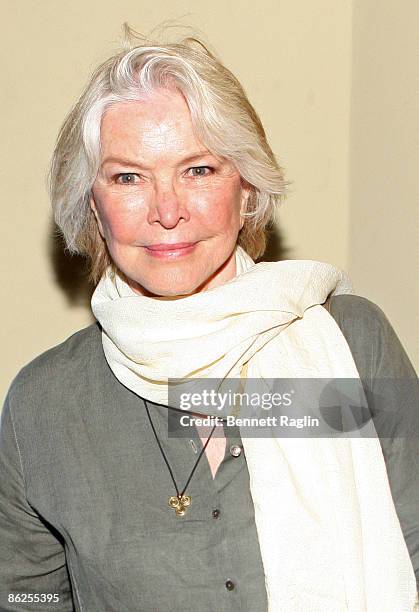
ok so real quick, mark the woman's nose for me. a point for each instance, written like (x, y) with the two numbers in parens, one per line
(168, 206)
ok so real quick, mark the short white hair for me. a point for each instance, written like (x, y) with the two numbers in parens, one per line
(223, 119)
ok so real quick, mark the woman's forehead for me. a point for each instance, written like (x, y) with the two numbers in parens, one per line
(161, 123)
(159, 108)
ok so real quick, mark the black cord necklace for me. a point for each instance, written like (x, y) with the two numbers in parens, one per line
(178, 502)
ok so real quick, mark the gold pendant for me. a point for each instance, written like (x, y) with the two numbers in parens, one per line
(180, 503)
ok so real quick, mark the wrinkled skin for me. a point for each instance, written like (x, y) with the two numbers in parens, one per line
(158, 184)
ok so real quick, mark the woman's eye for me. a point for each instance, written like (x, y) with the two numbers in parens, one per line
(127, 178)
(200, 171)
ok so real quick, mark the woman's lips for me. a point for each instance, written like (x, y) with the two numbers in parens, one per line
(165, 251)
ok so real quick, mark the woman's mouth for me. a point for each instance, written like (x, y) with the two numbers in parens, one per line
(172, 251)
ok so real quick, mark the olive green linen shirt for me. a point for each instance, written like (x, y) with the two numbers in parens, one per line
(84, 517)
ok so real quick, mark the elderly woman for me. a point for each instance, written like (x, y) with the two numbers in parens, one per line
(162, 176)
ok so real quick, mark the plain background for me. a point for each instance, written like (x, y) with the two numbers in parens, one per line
(335, 84)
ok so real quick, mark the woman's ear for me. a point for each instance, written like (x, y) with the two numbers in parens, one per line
(246, 191)
(94, 210)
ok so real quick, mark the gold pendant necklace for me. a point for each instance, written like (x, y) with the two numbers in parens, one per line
(179, 502)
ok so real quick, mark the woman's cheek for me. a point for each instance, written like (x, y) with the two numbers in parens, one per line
(222, 209)
(124, 220)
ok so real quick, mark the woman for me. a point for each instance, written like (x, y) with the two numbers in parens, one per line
(163, 177)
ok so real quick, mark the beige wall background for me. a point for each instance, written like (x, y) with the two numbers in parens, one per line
(333, 82)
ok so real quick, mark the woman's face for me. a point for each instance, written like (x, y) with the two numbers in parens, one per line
(158, 186)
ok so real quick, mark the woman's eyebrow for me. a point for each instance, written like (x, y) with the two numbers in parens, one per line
(131, 162)
(196, 155)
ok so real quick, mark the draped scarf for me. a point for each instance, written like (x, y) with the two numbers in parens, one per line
(328, 531)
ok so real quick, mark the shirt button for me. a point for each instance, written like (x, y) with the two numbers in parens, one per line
(235, 450)
(215, 513)
(230, 585)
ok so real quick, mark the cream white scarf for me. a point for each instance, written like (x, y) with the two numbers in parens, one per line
(329, 535)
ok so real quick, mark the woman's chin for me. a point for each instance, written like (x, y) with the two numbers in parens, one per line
(182, 280)
(167, 290)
